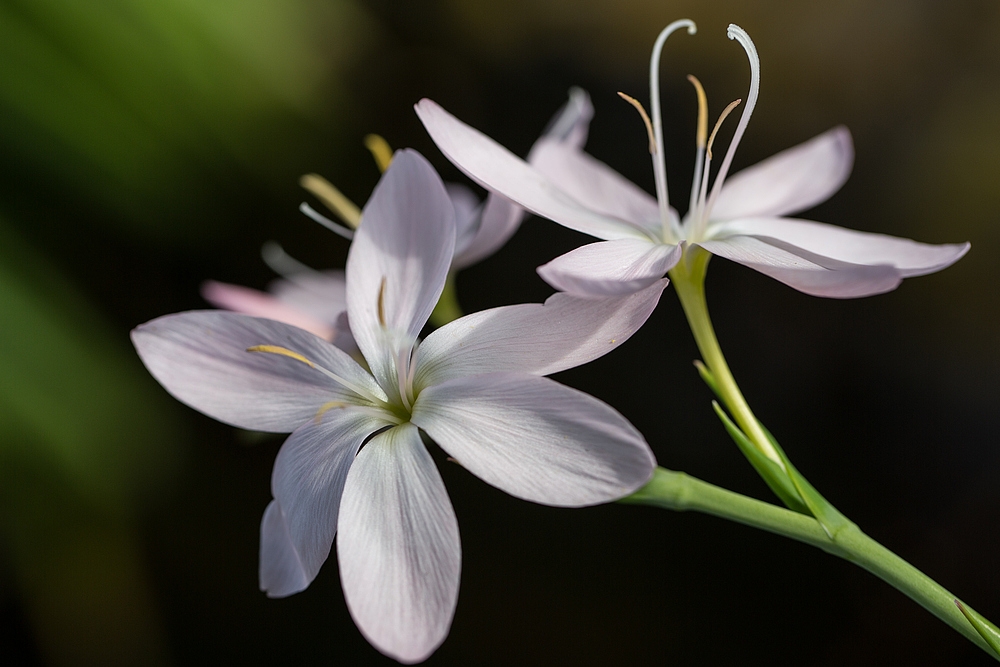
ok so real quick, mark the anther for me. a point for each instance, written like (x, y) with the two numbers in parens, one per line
(718, 124)
(344, 382)
(381, 302)
(283, 351)
(380, 150)
(645, 119)
(700, 143)
(332, 198)
(702, 110)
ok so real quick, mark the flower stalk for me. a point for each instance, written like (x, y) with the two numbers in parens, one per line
(688, 278)
(812, 519)
(680, 492)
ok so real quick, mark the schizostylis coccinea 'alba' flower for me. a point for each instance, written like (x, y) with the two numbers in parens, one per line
(741, 219)
(315, 300)
(355, 465)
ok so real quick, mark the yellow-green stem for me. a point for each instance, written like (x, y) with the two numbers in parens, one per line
(681, 492)
(688, 278)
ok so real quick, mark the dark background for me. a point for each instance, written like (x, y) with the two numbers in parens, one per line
(146, 147)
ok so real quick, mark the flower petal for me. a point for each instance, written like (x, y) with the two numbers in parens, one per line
(398, 262)
(468, 215)
(571, 123)
(498, 221)
(398, 547)
(307, 483)
(847, 245)
(595, 184)
(535, 438)
(322, 294)
(790, 181)
(539, 339)
(497, 169)
(260, 304)
(806, 271)
(280, 571)
(610, 268)
(201, 358)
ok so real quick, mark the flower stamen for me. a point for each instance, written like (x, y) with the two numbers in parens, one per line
(316, 216)
(380, 150)
(282, 263)
(402, 374)
(699, 139)
(659, 161)
(699, 216)
(381, 302)
(332, 198)
(645, 119)
(740, 35)
(291, 354)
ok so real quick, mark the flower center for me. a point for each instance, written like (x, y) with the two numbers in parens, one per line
(695, 226)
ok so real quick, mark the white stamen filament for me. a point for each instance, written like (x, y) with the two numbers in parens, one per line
(282, 263)
(740, 35)
(413, 366)
(700, 218)
(700, 140)
(659, 161)
(402, 374)
(337, 229)
(333, 198)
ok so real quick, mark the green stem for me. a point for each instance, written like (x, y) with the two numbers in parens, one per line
(689, 280)
(681, 492)
(447, 308)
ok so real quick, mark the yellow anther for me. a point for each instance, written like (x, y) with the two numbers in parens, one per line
(381, 302)
(283, 351)
(728, 110)
(702, 110)
(380, 150)
(327, 407)
(645, 119)
(333, 198)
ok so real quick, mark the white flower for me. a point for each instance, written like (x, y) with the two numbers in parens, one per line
(740, 218)
(355, 465)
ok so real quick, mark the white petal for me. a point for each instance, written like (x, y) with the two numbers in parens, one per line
(280, 571)
(260, 304)
(790, 181)
(539, 339)
(307, 484)
(610, 268)
(398, 262)
(571, 123)
(595, 184)
(535, 438)
(497, 169)
(806, 271)
(499, 219)
(468, 215)
(398, 547)
(201, 358)
(847, 245)
(322, 294)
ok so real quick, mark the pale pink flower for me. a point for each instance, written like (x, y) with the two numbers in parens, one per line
(315, 300)
(741, 218)
(355, 465)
